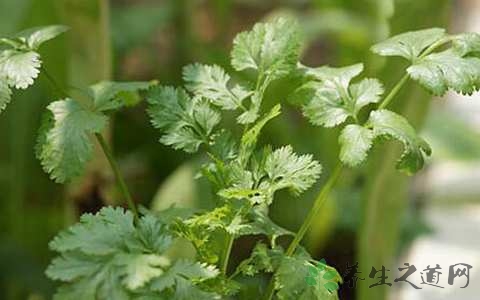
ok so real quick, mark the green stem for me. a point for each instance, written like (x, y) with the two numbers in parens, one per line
(118, 176)
(435, 45)
(317, 205)
(226, 253)
(56, 87)
(394, 91)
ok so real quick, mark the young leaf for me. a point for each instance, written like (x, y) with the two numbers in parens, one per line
(334, 99)
(392, 125)
(355, 141)
(249, 138)
(64, 141)
(289, 170)
(278, 170)
(410, 44)
(19, 68)
(211, 82)
(109, 95)
(187, 122)
(270, 48)
(206, 231)
(34, 37)
(5, 94)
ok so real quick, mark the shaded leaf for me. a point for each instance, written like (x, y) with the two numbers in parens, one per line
(65, 144)
(186, 122)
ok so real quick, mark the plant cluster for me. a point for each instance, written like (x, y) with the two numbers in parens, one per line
(123, 254)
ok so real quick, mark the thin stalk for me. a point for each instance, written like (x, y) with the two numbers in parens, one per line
(394, 91)
(61, 92)
(226, 253)
(118, 176)
(317, 205)
(435, 45)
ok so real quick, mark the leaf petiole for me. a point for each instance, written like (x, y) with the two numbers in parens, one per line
(118, 176)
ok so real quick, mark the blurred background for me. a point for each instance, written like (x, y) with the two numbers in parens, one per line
(376, 216)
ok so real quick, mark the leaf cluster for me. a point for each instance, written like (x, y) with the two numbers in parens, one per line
(20, 61)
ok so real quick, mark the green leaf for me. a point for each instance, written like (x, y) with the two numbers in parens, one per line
(289, 170)
(333, 77)
(270, 48)
(224, 147)
(109, 255)
(391, 125)
(276, 170)
(455, 68)
(19, 68)
(211, 82)
(466, 43)
(325, 109)
(5, 94)
(355, 141)
(367, 91)
(206, 231)
(34, 37)
(139, 269)
(333, 99)
(445, 70)
(409, 45)
(65, 142)
(187, 123)
(109, 95)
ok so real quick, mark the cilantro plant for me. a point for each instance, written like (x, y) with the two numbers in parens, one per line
(122, 253)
